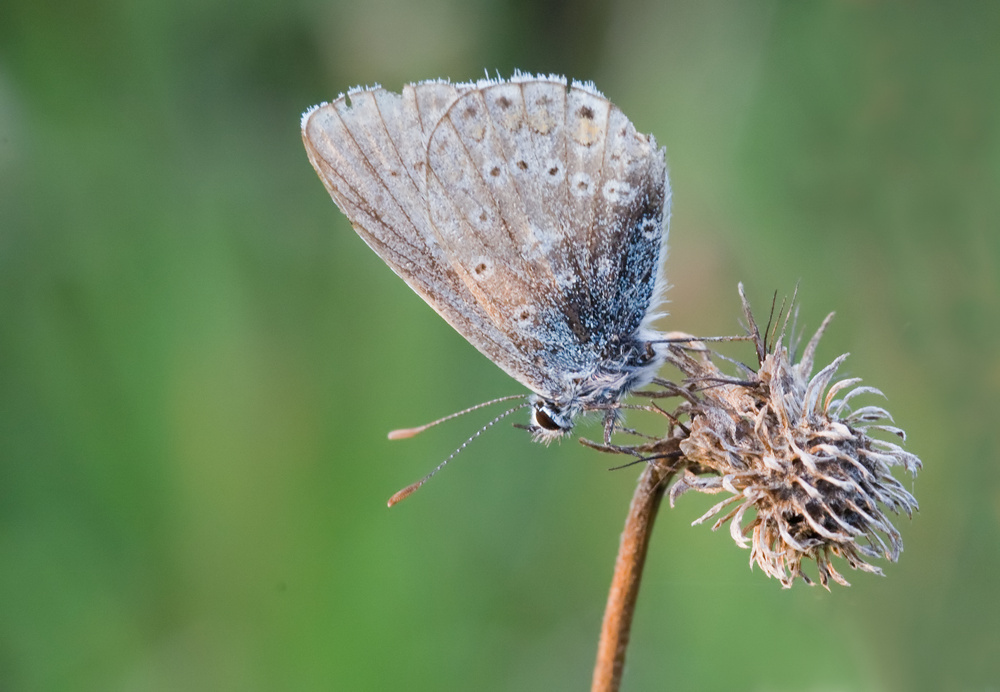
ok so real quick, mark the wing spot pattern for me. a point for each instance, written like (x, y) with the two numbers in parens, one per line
(552, 312)
(581, 185)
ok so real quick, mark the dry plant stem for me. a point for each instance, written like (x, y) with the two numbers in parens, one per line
(628, 573)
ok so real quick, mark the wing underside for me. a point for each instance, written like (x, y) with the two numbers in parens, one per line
(529, 214)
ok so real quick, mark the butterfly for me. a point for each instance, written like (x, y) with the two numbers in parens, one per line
(529, 213)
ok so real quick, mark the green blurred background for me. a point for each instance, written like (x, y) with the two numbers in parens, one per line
(199, 359)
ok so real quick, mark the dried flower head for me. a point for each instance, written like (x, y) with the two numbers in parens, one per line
(805, 478)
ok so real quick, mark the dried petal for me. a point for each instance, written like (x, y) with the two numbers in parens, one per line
(810, 482)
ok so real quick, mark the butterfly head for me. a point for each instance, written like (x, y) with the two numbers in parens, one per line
(549, 420)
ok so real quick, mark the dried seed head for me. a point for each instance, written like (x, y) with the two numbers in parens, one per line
(805, 478)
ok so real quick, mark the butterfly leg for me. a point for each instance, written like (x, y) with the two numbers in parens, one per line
(612, 416)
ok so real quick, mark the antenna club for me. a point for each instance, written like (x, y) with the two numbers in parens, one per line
(404, 493)
(404, 433)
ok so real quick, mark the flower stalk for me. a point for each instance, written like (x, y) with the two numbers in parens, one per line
(628, 573)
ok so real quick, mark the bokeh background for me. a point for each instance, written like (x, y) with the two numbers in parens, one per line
(199, 359)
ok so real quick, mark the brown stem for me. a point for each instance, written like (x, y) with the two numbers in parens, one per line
(628, 573)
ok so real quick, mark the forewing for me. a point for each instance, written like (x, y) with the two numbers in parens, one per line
(550, 207)
(369, 149)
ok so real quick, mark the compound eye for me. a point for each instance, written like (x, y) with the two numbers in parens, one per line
(544, 420)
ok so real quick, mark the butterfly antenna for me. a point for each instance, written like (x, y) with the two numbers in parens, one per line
(412, 488)
(404, 433)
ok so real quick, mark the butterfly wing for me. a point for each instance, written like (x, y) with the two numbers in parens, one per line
(369, 149)
(550, 207)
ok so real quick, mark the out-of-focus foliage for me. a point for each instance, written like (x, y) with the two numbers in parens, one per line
(199, 359)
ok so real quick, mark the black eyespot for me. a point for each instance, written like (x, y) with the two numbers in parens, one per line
(545, 421)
